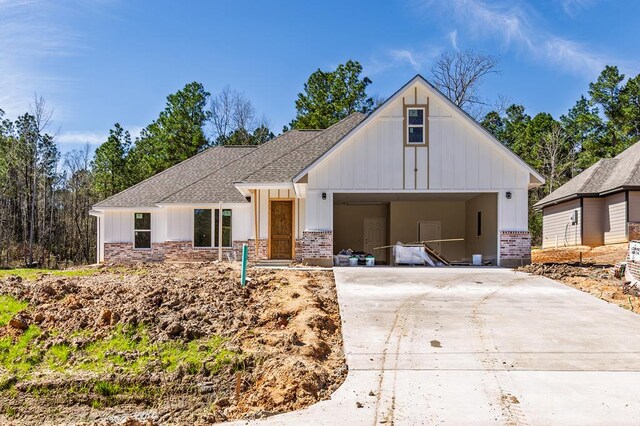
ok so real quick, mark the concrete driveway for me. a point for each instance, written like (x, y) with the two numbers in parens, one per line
(479, 346)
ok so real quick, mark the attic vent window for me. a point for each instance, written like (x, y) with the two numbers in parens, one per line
(415, 126)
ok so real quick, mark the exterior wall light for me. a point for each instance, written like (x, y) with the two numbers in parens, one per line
(508, 194)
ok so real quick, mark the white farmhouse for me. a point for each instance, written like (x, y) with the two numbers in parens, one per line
(417, 168)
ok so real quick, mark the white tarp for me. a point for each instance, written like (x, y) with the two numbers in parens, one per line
(411, 255)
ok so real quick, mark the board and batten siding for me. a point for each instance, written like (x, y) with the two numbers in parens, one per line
(118, 225)
(634, 206)
(593, 217)
(557, 225)
(263, 210)
(615, 218)
(457, 158)
(172, 223)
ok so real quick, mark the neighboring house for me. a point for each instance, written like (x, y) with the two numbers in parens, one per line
(416, 168)
(599, 206)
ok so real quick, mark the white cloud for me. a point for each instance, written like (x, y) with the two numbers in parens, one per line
(416, 59)
(453, 38)
(514, 27)
(75, 139)
(573, 7)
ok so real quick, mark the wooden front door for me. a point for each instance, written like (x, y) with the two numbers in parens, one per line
(281, 232)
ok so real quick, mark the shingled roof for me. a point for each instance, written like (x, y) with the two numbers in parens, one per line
(210, 176)
(606, 176)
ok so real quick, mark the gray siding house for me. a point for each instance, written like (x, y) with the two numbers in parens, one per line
(599, 206)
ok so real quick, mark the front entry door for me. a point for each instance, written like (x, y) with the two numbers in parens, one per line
(281, 232)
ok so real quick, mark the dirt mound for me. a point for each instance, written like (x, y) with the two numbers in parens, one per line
(596, 280)
(609, 255)
(181, 343)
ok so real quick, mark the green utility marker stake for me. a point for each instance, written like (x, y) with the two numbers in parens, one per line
(245, 254)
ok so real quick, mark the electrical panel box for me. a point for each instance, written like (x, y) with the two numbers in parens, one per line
(574, 217)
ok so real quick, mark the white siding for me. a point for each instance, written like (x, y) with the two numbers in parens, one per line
(557, 225)
(615, 215)
(634, 206)
(459, 158)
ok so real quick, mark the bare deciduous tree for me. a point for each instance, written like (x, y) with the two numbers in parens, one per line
(233, 113)
(556, 157)
(458, 75)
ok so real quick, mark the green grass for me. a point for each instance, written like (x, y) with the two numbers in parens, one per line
(33, 273)
(23, 355)
(9, 307)
(127, 350)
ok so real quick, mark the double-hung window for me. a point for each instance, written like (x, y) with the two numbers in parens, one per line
(142, 230)
(415, 126)
(206, 232)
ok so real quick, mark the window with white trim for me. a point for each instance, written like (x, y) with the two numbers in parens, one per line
(206, 232)
(415, 126)
(142, 230)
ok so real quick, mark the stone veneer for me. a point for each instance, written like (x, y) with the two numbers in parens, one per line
(168, 251)
(515, 248)
(634, 230)
(314, 245)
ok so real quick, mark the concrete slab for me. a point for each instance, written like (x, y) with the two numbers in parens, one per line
(479, 346)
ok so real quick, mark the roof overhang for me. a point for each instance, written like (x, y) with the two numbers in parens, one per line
(535, 179)
(246, 187)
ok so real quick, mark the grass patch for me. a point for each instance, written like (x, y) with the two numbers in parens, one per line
(22, 355)
(127, 350)
(9, 307)
(33, 273)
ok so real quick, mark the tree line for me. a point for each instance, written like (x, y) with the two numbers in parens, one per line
(45, 196)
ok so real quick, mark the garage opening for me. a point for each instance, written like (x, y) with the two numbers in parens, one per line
(363, 222)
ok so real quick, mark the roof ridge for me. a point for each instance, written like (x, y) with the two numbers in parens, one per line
(322, 132)
(160, 173)
(257, 148)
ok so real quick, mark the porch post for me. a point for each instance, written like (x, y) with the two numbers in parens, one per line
(220, 230)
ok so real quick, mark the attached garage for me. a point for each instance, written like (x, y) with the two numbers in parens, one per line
(364, 221)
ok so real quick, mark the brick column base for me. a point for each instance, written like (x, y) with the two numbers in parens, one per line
(634, 230)
(315, 247)
(515, 248)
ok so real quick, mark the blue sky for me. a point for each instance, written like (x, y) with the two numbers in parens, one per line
(98, 62)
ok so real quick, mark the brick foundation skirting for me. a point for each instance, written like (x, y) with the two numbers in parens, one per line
(634, 230)
(314, 245)
(515, 248)
(169, 251)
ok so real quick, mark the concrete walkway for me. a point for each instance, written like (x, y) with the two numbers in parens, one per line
(478, 346)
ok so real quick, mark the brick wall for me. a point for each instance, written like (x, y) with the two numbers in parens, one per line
(515, 248)
(263, 245)
(168, 251)
(314, 245)
(634, 230)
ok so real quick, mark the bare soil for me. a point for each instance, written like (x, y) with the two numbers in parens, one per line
(281, 344)
(607, 255)
(596, 280)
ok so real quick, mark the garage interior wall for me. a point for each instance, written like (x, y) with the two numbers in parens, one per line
(485, 243)
(348, 231)
(405, 215)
